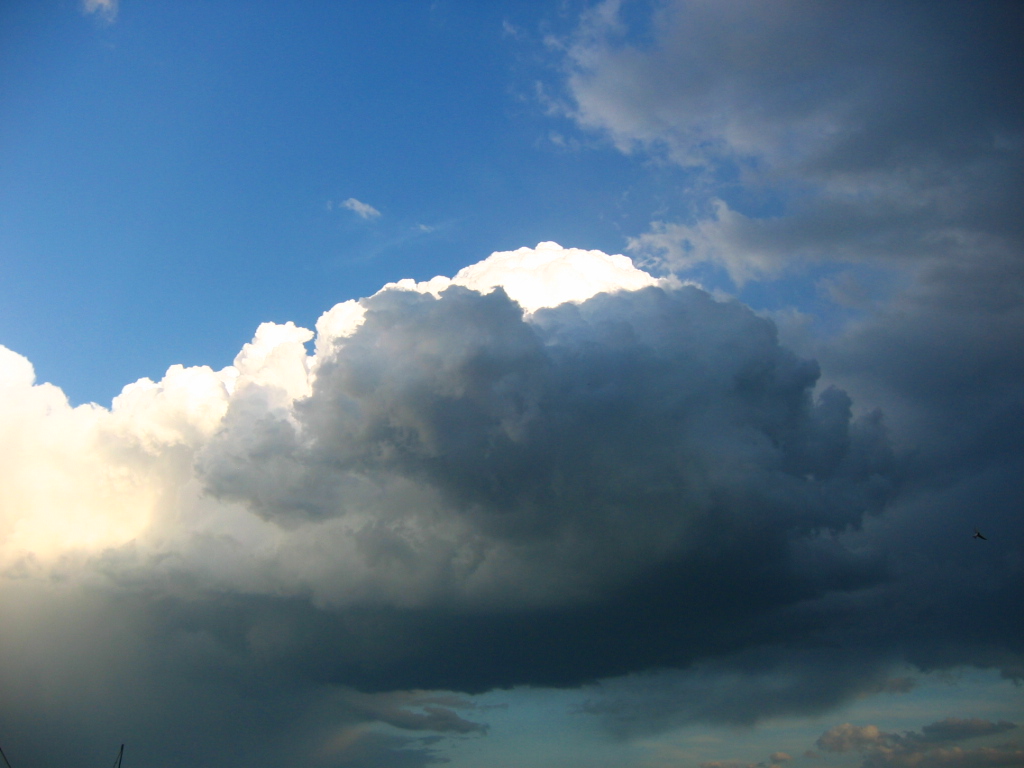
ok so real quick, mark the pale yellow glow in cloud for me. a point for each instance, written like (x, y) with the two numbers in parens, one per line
(88, 478)
(60, 485)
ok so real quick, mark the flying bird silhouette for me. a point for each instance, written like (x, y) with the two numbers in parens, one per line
(977, 535)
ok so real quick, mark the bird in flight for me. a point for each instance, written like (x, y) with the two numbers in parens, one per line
(977, 535)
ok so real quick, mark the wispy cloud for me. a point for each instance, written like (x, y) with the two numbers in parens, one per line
(363, 210)
(105, 9)
(508, 29)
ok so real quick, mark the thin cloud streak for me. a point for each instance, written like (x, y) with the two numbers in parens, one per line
(361, 209)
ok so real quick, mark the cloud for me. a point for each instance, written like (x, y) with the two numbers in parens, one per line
(551, 469)
(833, 91)
(954, 729)
(845, 137)
(361, 209)
(794, 677)
(776, 759)
(932, 747)
(847, 738)
(483, 457)
(105, 9)
(545, 276)
(922, 749)
(876, 136)
(435, 713)
(508, 29)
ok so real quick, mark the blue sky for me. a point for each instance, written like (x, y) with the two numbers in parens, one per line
(168, 173)
(709, 503)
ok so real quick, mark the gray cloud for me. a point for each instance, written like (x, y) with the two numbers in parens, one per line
(776, 759)
(191, 680)
(804, 677)
(626, 451)
(467, 497)
(955, 729)
(600, 466)
(884, 139)
(880, 134)
(929, 748)
(934, 746)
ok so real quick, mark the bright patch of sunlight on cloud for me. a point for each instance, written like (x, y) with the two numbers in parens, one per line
(545, 276)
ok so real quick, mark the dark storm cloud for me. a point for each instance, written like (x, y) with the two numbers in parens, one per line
(647, 474)
(470, 498)
(945, 361)
(636, 481)
(648, 402)
(186, 681)
(645, 480)
(892, 137)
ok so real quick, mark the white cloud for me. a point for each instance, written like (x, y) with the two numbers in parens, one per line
(87, 478)
(363, 210)
(105, 9)
(545, 276)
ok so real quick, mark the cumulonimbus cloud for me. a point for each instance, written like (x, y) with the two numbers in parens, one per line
(550, 469)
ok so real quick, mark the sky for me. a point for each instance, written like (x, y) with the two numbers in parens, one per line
(545, 384)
